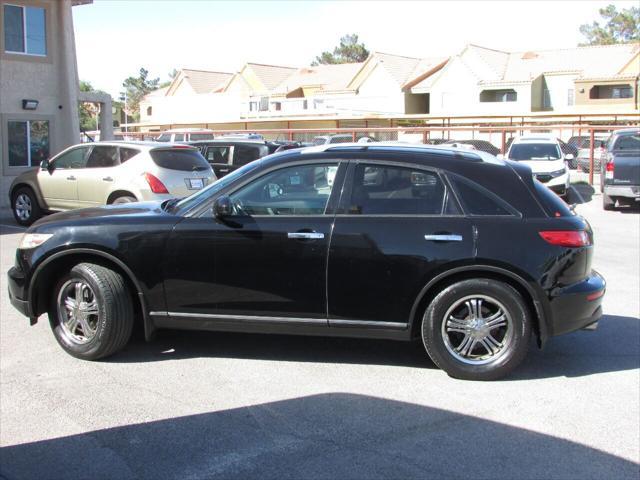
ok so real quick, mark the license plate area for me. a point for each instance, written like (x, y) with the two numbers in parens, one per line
(194, 183)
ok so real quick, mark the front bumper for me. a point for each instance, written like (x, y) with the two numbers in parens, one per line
(577, 306)
(632, 191)
(18, 291)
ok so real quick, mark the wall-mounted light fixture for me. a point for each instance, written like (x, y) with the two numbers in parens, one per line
(29, 104)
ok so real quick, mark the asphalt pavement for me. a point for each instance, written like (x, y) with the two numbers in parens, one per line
(218, 405)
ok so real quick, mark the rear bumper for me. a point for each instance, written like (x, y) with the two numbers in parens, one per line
(630, 191)
(578, 306)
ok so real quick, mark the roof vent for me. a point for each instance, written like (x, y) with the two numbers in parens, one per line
(529, 55)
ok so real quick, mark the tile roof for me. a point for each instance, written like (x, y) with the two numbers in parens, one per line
(271, 75)
(398, 66)
(203, 81)
(326, 77)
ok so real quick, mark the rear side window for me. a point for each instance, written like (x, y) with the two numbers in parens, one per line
(554, 206)
(387, 190)
(200, 136)
(477, 200)
(243, 154)
(180, 159)
(218, 155)
(127, 153)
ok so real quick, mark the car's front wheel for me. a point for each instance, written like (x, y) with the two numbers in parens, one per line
(91, 312)
(25, 206)
(477, 329)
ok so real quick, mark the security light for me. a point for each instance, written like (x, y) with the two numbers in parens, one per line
(29, 104)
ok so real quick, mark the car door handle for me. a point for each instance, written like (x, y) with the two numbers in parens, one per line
(108, 179)
(306, 235)
(71, 177)
(444, 237)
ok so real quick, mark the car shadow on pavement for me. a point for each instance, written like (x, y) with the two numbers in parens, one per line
(580, 193)
(614, 346)
(331, 435)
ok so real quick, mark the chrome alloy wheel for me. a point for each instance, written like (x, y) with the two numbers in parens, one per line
(77, 312)
(23, 207)
(477, 329)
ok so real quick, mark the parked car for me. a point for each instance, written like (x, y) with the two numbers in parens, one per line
(185, 135)
(328, 139)
(482, 145)
(107, 173)
(406, 242)
(620, 170)
(226, 155)
(585, 152)
(545, 158)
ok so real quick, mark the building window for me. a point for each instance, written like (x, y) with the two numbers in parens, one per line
(570, 97)
(28, 142)
(264, 104)
(25, 30)
(508, 95)
(610, 91)
(546, 98)
(149, 111)
(253, 106)
(277, 106)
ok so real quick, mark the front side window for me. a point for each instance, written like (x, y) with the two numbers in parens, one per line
(28, 142)
(103, 157)
(387, 190)
(298, 190)
(76, 158)
(218, 155)
(165, 137)
(25, 30)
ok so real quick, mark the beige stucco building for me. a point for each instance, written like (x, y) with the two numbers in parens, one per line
(39, 91)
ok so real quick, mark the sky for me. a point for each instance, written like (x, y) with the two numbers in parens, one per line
(114, 38)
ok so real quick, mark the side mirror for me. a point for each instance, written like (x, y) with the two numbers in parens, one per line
(44, 165)
(222, 207)
(569, 156)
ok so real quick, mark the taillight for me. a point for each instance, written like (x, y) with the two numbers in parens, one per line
(155, 184)
(609, 167)
(566, 238)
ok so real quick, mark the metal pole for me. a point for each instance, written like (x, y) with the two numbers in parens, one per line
(591, 145)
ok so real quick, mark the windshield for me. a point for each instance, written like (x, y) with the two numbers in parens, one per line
(215, 187)
(534, 151)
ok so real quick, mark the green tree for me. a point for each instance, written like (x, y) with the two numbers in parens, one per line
(172, 75)
(134, 89)
(618, 27)
(88, 111)
(349, 51)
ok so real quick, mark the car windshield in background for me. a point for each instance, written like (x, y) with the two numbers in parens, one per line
(212, 189)
(201, 136)
(534, 151)
(180, 159)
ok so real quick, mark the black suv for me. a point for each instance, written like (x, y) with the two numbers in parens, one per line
(457, 248)
(227, 155)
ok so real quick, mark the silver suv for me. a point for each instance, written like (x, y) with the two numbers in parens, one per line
(88, 175)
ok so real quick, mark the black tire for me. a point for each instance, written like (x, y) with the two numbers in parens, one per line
(608, 203)
(517, 332)
(124, 199)
(114, 318)
(24, 206)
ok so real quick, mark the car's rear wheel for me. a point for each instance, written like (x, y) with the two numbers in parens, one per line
(124, 199)
(477, 329)
(25, 206)
(91, 312)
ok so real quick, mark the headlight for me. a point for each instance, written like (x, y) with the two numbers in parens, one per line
(557, 173)
(33, 240)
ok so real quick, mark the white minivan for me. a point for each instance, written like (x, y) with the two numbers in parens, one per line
(544, 155)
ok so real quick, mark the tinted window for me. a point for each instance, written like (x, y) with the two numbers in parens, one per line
(179, 137)
(534, 151)
(628, 142)
(551, 202)
(103, 157)
(180, 159)
(127, 153)
(218, 155)
(476, 200)
(341, 139)
(201, 136)
(243, 154)
(395, 190)
(76, 158)
(165, 137)
(299, 190)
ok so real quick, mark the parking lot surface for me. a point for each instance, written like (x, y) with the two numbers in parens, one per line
(206, 405)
